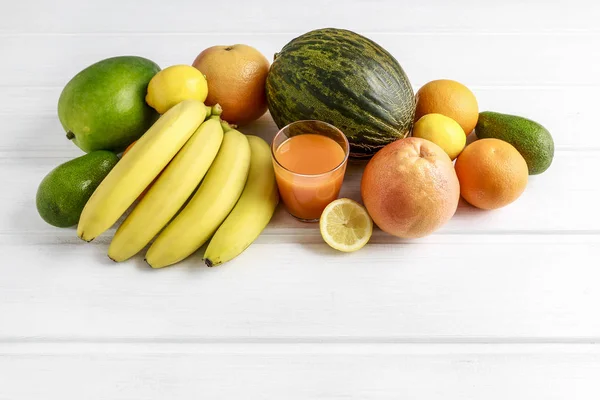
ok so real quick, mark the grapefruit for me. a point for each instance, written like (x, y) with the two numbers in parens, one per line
(236, 78)
(410, 188)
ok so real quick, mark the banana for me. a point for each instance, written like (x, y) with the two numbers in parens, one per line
(134, 172)
(253, 210)
(207, 209)
(170, 191)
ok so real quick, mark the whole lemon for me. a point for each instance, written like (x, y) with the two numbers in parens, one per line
(443, 131)
(450, 98)
(173, 85)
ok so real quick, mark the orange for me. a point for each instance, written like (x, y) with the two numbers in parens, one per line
(410, 188)
(492, 173)
(449, 98)
(150, 185)
(236, 78)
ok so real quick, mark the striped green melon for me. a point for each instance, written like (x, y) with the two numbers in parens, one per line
(343, 78)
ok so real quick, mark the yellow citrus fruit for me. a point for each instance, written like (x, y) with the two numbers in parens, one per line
(449, 98)
(491, 173)
(345, 225)
(443, 131)
(174, 84)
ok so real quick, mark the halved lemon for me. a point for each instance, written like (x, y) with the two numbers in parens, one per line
(346, 225)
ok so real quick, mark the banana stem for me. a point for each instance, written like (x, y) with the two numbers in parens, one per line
(208, 112)
(224, 124)
(227, 126)
(217, 109)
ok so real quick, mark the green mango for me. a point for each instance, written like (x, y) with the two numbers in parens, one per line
(104, 108)
(531, 139)
(62, 194)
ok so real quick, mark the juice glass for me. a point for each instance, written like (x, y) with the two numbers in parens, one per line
(309, 158)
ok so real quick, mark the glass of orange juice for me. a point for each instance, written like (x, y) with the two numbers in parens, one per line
(310, 160)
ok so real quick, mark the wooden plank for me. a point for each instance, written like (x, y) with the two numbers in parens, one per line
(291, 318)
(468, 372)
(459, 288)
(476, 60)
(116, 16)
(29, 118)
(559, 201)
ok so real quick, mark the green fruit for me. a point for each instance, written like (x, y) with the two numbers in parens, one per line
(103, 107)
(65, 190)
(347, 80)
(531, 139)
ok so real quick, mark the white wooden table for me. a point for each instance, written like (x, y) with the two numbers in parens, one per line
(496, 305)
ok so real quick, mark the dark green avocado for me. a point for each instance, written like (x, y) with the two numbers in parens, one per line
(62, 194)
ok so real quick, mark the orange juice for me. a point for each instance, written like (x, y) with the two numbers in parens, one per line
(309, 173)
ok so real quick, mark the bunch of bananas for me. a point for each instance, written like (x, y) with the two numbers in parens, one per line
(214, 182)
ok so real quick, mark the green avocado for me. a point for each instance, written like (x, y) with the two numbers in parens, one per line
(62, 194)
(104, 108)
(531, 139)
